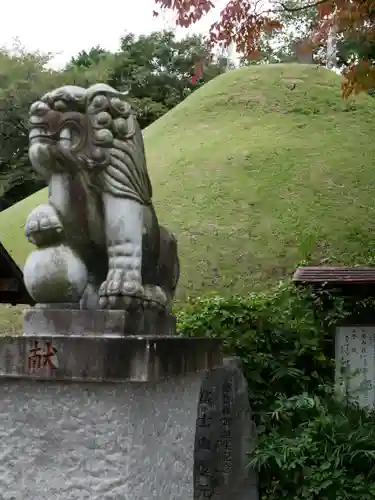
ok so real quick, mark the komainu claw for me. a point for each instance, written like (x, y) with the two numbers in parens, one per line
(118, 293)
(43, 225)
(155, 294)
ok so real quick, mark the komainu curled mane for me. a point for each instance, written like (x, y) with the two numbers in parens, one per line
(99, 219)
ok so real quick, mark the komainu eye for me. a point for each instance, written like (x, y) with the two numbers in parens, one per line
(60, 106)
(39, 108)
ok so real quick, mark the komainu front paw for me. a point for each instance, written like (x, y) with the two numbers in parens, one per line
(155, 295)
(118, 292)
(43, 226)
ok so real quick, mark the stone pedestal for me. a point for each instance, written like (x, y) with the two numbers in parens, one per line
(110, 417)
(51, 321)
(355, 363)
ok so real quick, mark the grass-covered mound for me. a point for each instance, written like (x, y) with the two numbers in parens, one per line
(260, 168)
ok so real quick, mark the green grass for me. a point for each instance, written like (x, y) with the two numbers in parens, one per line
(259, 169)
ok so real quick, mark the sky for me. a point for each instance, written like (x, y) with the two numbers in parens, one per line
(65, 28)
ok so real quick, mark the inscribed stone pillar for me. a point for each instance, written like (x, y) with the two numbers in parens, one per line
(114, 416)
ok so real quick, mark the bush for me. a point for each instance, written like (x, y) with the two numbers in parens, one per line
(283, 338)
(307, 439)
(317, 448)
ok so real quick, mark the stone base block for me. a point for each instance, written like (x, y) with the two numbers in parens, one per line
(184, 438)
(48, 321)
(115, 359)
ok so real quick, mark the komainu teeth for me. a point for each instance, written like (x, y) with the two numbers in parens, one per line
(65, 137)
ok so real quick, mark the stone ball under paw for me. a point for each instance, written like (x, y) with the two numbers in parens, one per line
(55, 274)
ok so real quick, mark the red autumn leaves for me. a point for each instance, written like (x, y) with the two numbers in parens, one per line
(197, 72)
(243, 22)
(187, 12)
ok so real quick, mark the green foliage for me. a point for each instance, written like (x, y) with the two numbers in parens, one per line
(154, 69)
(283, 338)
(88, 59)
(298, 25)
(352, 49)
(280, 46)
(311, 445)
(24, 77)
(357, 45)
(317, 448)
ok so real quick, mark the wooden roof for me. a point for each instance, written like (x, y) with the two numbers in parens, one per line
(336, 276)
(12, 287)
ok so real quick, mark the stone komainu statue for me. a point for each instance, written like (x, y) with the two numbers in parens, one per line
(99, 243)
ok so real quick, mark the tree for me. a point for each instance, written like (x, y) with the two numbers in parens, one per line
(23, 78)
(289, 44)
(355, 48)
(155, 70)
(88, 59)
(245, 21)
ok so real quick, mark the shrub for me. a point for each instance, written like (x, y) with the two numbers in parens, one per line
(282, 337)
(307, 439)
(317, 448)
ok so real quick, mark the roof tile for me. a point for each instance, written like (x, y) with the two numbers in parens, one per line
(334, 275)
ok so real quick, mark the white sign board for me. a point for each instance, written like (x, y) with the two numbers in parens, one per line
(355, 359)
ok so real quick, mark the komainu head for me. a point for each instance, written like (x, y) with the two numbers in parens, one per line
(73, 129)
